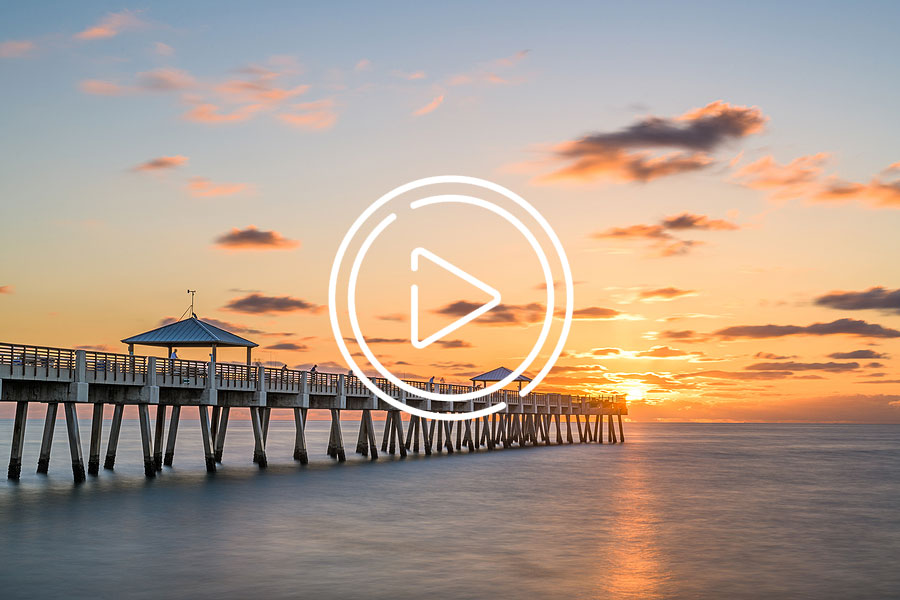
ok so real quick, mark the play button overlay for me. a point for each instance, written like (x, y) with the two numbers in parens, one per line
(414, 298)
(415, 210)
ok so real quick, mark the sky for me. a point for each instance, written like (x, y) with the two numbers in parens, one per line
(725, 181)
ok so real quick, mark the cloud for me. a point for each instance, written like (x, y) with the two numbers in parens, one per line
(664, 294)
(659, 234)
(488, 73)
(252, 238)
(858, 354)
(98, 87)
(258, 304)
(605, 351)
(110, 26)
(162, 163)
(739, 375)
(504, 313)
(430, 106)
(163, 49)
(259, 87)
(798, 366)
(804, 177)
(393, 317)
(165, 80)
(413, 76)
(201, 187)
(770, 356)
(442, 343)
(877, 298)
(288, 346)
(363, 65)
(7, 289)
(209, 113)
(840, 326)
(665, 352)
(315, 116)
(633, 153)
(16, 48)
(688, 336)
(598, 313)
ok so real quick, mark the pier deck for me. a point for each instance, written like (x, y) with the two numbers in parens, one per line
(36, 374)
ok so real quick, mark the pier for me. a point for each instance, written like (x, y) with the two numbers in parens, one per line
(56, 376)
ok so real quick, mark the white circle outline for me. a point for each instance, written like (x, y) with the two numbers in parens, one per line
(354, 229)
(476, 393)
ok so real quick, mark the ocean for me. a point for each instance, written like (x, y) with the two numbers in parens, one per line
(678, 511)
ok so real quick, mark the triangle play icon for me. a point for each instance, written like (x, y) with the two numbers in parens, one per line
(414, 298)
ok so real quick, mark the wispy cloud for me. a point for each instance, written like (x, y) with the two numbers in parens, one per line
(431, 106)
(252, 238)
(162, 163)
(664, 294)
(7, 289)
(841, 326)
(201, 187)
(315, 116)
(209, 113)
(16, 48)
(660, 234)
(111, 25)
(260, 304)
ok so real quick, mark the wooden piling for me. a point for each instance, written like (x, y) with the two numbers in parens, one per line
(339, 440)
(259, 448)
(416, 427)
(158, 436)
(144, 417)
(387, 431)
(410, 427)
(598, 429)
(300, 436)
(370, 433)
(214, 423)
(18, 442)
(621, 430)
(458, 436)
(113, 442)
(206, 434)
(398, 425)
(96, 434)
(569, 438)
(47, 438)
(362, 440)
(611, 428)
(219, 435)
(173, 433)
(448, 431)
(428, 436)
(74, 442)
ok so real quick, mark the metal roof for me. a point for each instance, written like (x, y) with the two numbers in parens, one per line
(189, 332)
(498, 374)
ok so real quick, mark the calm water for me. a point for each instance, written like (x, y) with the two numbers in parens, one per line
(679, 511)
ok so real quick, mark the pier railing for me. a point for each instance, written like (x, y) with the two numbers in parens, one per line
(61, 364)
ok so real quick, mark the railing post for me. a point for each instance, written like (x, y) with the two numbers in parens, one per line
(304, 389)
(341, 391)
(78, 389)
(210, 393)
(150, 391)
(259, 396)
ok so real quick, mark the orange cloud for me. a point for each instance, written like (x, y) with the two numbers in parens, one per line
(162, 163)
(409, 76)
(430, 106)
(252, 238)
(636, 153)
(317, 115)
(110, 26)
(99, 87)
(208, 113)
(201, 187)
(6, 289)
(664, 294)
(16, 48)
(804, 177)
(660, 237)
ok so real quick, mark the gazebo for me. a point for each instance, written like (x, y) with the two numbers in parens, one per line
(498, 374)
(190, 333)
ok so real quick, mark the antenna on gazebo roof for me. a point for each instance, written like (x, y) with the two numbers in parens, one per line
(192, 292)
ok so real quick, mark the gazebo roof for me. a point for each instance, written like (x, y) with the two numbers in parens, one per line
(189, 332)
(498, 374)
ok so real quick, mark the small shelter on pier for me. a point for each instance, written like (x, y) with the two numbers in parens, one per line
(190, 333)
(498, 374)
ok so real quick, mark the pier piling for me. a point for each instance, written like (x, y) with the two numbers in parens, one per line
(18, 442)
(169, 457)
(74, 442)
(47, 438)
(112, 444)
(96, 434)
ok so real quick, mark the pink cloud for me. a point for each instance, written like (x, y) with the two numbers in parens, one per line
(16, 48)
(209, 113)
(162, 163)
(316, 115)
(201, 187)
(430, 106)
(110, 26)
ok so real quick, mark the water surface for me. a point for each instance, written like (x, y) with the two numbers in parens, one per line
(679, 511)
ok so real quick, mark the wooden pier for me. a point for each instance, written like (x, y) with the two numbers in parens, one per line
(54, 376)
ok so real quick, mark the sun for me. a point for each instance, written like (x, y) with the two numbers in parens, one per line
(635, 393)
